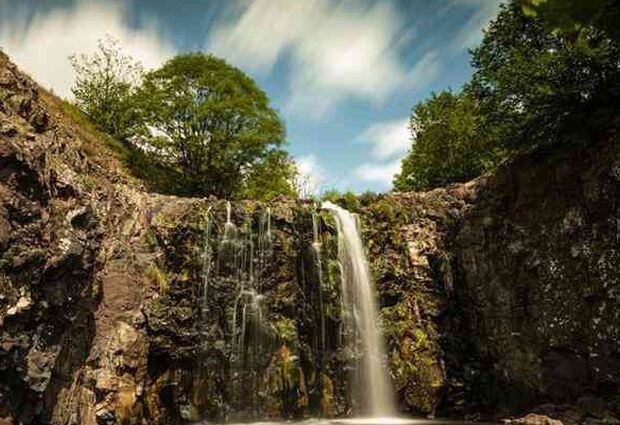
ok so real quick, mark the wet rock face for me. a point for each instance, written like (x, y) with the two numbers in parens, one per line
(64, 232)
(406, 238)
(246, 321)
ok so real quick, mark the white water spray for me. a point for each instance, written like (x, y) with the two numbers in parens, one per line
(316, 248)
(230, 229)
(206, 264)
(361, 312)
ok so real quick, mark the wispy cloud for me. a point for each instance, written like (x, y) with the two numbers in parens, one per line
(378, 172)
(389, 141)
(425, 71)
(483, 11)
(336, 49)
(43, 46)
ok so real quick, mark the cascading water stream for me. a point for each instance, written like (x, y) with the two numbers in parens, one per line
(361, 314)
(316, 248)
(206, 265)
(229, 227)
(242, 261)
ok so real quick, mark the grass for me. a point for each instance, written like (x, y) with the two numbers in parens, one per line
(89, 130)
(110, 152)
(100, 147)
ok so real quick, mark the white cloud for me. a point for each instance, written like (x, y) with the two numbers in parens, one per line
(388, 139)
(378, 172)
(311, 175)
(49, 40)
(337, 49)
(425, 71)
(471, 34)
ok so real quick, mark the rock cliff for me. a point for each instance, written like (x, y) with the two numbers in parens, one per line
(498, 297)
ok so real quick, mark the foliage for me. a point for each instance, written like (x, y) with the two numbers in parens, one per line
(535, 86)
(196, 126)
(450, 143)
(271, 177)
(210, 122)
(532, 88)
(367, 197)
(158, 277)
(347, 200)
(572, 16)
(103, 87)
(155, 176)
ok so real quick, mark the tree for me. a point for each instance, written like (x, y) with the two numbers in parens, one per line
(273, 176)
(210, 121)
(572, 16)
(535, 85)
(103, 87)
(450, 143)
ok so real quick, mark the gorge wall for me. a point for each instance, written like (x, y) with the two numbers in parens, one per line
(121, 306)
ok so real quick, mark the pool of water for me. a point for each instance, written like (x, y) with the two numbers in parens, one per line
(360, 421)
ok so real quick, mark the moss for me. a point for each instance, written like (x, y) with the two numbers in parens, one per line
(327, 396)
(158, 277)
(6, 262)
(89, 183)
(150, 239)
(286, 330)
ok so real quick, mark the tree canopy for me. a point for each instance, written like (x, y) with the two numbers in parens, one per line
(533, 87)
(450, 143)
(573, 16)
(208, 120)
(196, 126)
(103, 86)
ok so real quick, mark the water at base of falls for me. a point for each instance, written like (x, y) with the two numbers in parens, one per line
(361, 318)
(360, 421)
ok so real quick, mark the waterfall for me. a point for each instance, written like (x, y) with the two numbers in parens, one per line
(361, 314)
(242, 261)
(316, 249)
(229, 227)
(206, 265)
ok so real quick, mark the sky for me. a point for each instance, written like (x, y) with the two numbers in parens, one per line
(343, 74)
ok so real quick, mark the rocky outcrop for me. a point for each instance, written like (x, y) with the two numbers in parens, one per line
(532, 419)
(69, 276)
(498, 297)
(536, 260)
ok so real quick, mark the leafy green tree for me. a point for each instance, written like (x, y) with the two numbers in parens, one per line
(210, 121)
(450, 143)
(535, 85)
(347, 200)
(103, 87)
(271, 177)
(572, 16)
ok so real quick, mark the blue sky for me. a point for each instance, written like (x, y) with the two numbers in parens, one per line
(344, 74)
